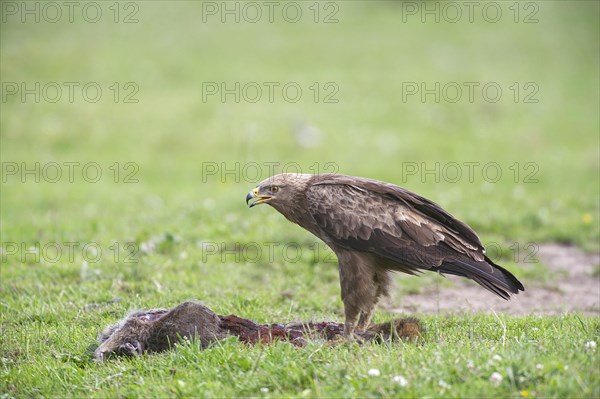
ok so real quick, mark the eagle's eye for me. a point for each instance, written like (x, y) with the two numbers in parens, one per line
(274, 189)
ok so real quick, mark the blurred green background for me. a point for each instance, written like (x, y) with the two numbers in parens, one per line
(180, 133)
(370, 57)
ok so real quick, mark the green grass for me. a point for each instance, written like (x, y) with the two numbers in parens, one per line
(457, 359)
(52, 310)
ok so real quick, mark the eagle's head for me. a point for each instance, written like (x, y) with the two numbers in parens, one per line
(279, 191)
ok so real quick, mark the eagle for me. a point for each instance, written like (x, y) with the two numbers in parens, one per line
(376, 228)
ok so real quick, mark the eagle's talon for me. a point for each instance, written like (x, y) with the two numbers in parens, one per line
(356, 338)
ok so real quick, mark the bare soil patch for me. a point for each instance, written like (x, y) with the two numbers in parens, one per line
(575, 289)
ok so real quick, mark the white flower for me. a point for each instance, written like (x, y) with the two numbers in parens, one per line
(539, 366)
(590, 346)
(147, 246)
(443, 384)
(84, 270)
(496, 358)
(400, 380)
(470, 365)
(496, 378)
(264, 390)
(208, 203)
(91, 251)
(374, 373)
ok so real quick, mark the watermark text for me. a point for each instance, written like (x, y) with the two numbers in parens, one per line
(270, 12)
(253, 92)
(452, 12)
(69, 172)
(470, 92)
(70, 92)
(126, 12)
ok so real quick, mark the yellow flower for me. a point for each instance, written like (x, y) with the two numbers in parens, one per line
(586, 218)
(524, 394)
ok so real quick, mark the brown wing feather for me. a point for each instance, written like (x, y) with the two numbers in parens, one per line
(419, 205)
(408, 231)
(357, 219)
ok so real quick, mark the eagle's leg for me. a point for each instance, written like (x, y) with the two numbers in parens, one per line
(365, 318)
(359, 291)
(351, 314)
(382, 281)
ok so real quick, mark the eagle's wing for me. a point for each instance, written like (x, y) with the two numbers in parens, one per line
(408, 231)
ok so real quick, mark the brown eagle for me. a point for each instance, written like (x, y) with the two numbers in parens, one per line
(374, 228)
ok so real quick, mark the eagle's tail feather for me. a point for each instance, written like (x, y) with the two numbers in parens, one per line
(486, 273)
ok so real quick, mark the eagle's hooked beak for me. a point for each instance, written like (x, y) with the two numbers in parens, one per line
(254, 194)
